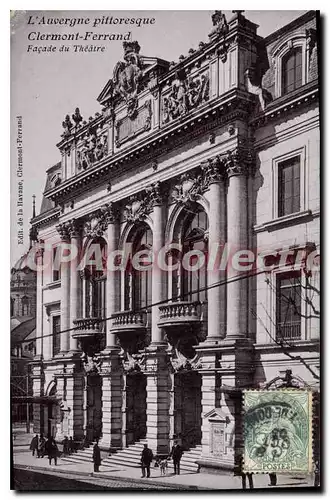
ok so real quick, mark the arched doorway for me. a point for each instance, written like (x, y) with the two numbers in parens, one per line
(187, 323)
(136, 407)
(93, 407)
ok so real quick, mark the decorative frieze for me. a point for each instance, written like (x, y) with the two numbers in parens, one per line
(185, 95)
(93, 149)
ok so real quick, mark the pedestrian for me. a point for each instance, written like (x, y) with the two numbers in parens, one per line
(248, 475)
(41, 446)
(176, 454)
(96, 456)
(146, 459)
(52, 451)
(273, 479)
(244, 475)
(65, 443)
(34, 445)
(71, 448)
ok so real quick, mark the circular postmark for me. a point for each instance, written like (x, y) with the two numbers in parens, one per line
(276, 431)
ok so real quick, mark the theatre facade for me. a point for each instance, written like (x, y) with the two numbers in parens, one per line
(201, 163)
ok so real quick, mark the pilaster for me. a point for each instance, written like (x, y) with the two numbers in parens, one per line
(216, 297)
(65, 289)
(112, 284)
(158, 274)
(74, 232)
(158, 400)
(112, 400)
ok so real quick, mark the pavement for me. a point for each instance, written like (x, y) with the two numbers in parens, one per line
(23, 460)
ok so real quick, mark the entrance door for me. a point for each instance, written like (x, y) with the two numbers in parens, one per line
(94, 407)
(136, 407)
(188, 408)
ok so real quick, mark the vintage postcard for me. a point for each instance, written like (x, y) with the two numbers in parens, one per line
(165, 250)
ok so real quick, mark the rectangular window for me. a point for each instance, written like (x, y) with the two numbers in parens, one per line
(57, 271)
(56, 334)
(288, 306)
(289, 186)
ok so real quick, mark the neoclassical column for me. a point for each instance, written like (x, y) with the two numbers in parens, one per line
(158, 275)
(237, 224)
(65, 291)
(112, 286)
(216, 295)
(74, 232)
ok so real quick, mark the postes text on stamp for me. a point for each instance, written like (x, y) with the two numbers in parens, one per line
(277, 431)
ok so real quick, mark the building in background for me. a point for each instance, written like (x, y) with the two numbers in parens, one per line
(219, 148)
(23, 295)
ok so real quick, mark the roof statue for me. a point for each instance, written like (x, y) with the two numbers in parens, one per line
(127, 77)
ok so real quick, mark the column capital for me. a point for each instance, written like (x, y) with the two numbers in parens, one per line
(238, 162)
(74, 227)
(156, 194)
(111, 213)
(215, 170)
(63, 231)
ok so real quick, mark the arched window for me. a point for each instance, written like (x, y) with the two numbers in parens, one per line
(292, 70)
(94, 283)
(190, 280)
(138, 281)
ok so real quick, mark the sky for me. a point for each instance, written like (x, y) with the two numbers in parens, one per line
(47, 86)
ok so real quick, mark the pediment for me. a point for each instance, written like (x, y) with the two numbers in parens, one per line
(216, 415)
(137, 67)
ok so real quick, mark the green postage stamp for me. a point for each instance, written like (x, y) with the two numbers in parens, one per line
(278, 431)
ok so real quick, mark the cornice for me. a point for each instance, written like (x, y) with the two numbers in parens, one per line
(233, 104)
(43, 218)
(283, 106)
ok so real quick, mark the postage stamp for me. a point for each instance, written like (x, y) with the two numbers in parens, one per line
(278, 431)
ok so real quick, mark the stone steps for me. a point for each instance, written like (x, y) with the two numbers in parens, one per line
(130, 457)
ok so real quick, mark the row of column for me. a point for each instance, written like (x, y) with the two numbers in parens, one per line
(227, 223)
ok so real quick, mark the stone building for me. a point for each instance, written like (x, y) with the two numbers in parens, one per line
(193, 161)
(23, 292)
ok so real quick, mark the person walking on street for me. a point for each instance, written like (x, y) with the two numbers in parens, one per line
(248, 475)
(65, 443)
(146, 459)
(176, 455)
(52, 451)
(96, 456)
(34, 445)
(41, 446)
(71, 445)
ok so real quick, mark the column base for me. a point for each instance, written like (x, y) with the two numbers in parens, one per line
(211, 466)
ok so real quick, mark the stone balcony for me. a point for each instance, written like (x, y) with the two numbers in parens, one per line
(180, 314)
(86, 328)
(128, 322)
